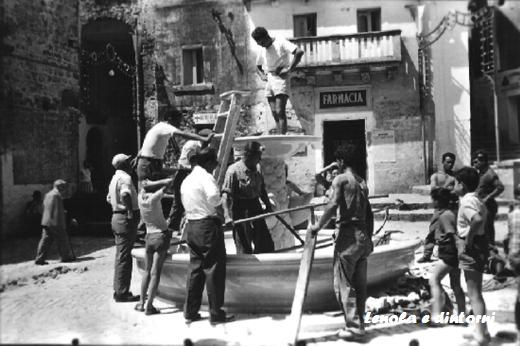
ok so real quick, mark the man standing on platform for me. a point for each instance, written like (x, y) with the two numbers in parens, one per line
(151, 155)
(122, 196)
(353, 239)
(242, 190)
(281, 57)
(489, 187)
(201, 199)
(54, 225)
(443, 178)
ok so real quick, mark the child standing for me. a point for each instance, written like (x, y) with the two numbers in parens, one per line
(157, 243)
(443, 225)
(472, 244)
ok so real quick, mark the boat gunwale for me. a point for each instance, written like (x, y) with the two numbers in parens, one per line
(285, 258)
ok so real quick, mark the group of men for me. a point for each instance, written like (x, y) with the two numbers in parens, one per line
(198, 199)
(489, 187)
(470, 196)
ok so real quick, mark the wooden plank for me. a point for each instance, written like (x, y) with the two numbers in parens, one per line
(302, 283)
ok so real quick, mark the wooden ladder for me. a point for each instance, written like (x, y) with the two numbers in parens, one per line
(227, 118)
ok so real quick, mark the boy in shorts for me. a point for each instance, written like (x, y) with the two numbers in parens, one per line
(157, 238)
(472, 244)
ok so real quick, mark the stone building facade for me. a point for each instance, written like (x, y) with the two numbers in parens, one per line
(39, 111)
(84, 79)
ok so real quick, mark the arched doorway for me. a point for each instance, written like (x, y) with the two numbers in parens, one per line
(107, 81)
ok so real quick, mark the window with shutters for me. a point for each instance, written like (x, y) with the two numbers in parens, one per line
(304, 25)
(192, 66)
(369, 19)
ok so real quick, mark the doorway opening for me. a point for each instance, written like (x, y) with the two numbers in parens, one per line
(107, 95)
(352, 132)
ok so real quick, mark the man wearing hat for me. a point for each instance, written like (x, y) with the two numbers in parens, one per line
(243, 187)
(188, 150)
(122, 196)
(53, 225)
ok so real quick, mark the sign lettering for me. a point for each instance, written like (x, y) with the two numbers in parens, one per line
(347, 98)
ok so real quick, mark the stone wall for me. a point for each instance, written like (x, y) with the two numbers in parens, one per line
(393, 105)
(38, 100)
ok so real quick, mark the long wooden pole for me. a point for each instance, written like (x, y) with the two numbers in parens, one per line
(302, 283)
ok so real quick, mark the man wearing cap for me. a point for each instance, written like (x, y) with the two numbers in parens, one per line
(243, 187)
(151, 155)
(489, 187)
(202, 200)
(122, 196)
(188, 150)
(54, 226)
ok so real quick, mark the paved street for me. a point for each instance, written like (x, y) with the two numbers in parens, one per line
(60, 302)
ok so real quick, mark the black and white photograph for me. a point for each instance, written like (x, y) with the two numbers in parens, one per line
(260, 172)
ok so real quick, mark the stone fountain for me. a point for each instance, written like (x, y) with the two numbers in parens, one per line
(278, 149)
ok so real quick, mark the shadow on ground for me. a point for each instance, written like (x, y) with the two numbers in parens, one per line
(23, 249)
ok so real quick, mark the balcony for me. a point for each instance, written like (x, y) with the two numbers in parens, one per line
(353, 49)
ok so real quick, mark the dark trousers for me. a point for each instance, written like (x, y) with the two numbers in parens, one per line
(125, 232)
(351, 251)
(177, 209)
(517, 305)
(429, 244)
(255, 232)
(49, 234)
(489, 226)
(207, 266)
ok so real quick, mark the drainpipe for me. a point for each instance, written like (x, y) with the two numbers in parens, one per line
(495, 111)
(492, 79)
(138, 92)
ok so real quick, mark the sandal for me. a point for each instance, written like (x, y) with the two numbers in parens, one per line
(139, 307)
(151, 311)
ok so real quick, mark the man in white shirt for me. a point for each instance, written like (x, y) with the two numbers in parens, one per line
(188, 150)
(201, 198)
(122, 196)
(281, 57)
(151, 155)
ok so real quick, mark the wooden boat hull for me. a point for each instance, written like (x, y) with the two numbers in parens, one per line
(266, 282)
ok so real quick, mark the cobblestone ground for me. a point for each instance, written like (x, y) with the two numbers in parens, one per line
(59, 302)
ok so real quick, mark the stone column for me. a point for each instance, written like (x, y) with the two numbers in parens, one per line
(273, 170)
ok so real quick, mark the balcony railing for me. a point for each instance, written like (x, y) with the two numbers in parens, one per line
(367, 47)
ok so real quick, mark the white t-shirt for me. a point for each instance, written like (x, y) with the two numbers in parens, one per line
(121, 184)
(156, 140)
(200, 194)
(469, 206)
(278, 54)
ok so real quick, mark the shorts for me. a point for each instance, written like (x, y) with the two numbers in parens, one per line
(473, 258)
(275, 86)
(158, 241)
(149, 168)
